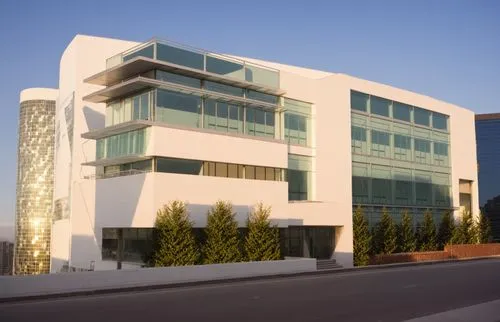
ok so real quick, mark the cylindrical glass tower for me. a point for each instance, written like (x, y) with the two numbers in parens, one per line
(35, 181)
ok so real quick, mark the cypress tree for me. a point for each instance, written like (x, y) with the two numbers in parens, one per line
(262, 242)
(446, 230)
(484, 229)
(406, 236)
(465, 233)
(428, 233)
(222, 243)
(175, 244)
(361, 238)
(385, 234)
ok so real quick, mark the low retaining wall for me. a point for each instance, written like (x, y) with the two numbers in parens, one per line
(465, 251)
(449, 252)
(21, 286)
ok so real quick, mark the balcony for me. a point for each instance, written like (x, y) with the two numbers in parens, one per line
(187, 61)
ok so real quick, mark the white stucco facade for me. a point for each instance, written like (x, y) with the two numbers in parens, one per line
(85, 205)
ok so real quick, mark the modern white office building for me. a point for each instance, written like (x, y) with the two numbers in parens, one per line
(142, 124)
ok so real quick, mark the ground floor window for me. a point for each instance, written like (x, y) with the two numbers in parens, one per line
(136, 244)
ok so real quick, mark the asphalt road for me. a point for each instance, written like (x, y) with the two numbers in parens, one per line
(394, 294)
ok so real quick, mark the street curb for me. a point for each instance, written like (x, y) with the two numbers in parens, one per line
(232, 280)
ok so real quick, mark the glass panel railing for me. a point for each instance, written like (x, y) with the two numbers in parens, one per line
(202, 60)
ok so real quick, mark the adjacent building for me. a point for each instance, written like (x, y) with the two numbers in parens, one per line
(140, 124)
(488, 157)
(35, 177)
(6, 257)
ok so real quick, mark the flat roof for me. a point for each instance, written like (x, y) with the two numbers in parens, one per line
(140, 65)
(489, 116)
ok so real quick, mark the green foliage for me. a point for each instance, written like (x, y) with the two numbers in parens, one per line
(385, 234)
(483, 229)
(175, 244)
(446, 230)
(262, 242)
(465, 232)
(223, 241)
(427, 234)
(406, 236)
(361, 238)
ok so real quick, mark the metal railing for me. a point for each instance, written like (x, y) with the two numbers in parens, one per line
(113, 174)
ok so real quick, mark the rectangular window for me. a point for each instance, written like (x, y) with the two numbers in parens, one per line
(402, 147)
(422, 145)
(260, 122)
(359, 101)
(178, 79)
(258, 96)
(421, 116)
(179, 166)
(401, 112)
(260, 173)
(224, 89)
(358, 140)
(249, 172)
(441, 148)
(225, 67)
(129, 143)
(221, 169)
(262, 76)
(423, 193)
(379, 106)
(270, 174)
(439, 121)
(177, 108)
(381, 144)
(403, 192)
(179, 56)
(298, 177)
(232, 171)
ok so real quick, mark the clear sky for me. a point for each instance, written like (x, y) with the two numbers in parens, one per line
(447, 49)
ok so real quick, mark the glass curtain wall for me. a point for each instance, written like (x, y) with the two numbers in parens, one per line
(297, 122)
(400, 154)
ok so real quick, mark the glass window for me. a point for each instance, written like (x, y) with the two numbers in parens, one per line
(260, 122)
(179, 166)
(258, 96)
(177, 108)
(296, 128)
(249, 172)
(235, 119)
(179, 56)
(422, 145)
(297, 184)
(441, 148)
(136, 108)
(423, 193)
(421, 116)
(133, 142)
(260, 173)
(402, 141)
(178, 79)
(232, 171)
(270, 174)
(359, 101)
(379, 137)
(224, 89)
(220, 169)
(401, 111)
(144, 52)
(379, 106)
(439, 121)
(250, 121)
(358, 140)
(403, 192)
(225, 67)
(261, 75)
(144, 107)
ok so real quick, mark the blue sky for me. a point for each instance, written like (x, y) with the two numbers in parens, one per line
(448, 49)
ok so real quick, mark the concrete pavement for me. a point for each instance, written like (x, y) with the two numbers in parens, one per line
(394, 294)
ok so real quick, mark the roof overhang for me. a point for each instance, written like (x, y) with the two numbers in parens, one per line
(140, 65)
(140, 83)
(117, 160)
(116, 129)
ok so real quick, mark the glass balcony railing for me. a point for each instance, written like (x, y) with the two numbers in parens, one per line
(201, 60)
